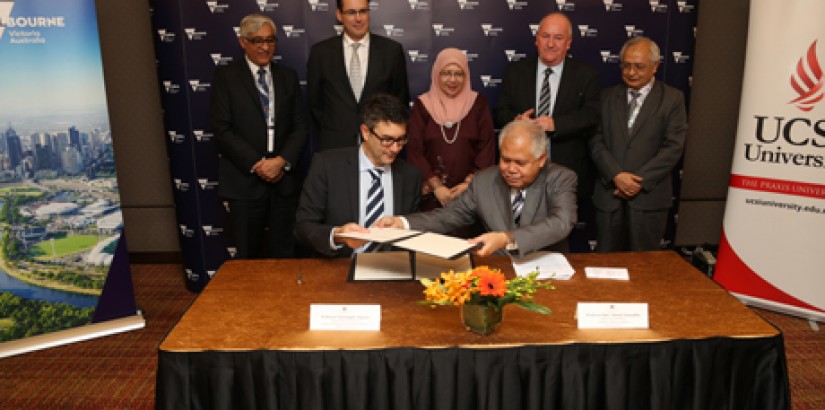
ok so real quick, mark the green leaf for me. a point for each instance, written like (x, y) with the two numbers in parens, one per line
(534, 307)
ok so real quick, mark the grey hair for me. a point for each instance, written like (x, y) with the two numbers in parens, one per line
(530, 130)
(254, 22)
(655, 56)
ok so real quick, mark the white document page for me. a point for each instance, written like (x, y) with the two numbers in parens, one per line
(381, 235)
(382, 266)
(606, 273)
(442, 246)
(429, 267)
(551, 265)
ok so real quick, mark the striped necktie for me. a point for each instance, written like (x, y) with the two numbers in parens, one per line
(375, 203)
(518, 205)
(633, 108)
(263, 91)
(544, 96)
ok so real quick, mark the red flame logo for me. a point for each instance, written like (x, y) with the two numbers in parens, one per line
(808, 82)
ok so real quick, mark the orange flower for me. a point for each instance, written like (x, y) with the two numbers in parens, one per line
(491, 283)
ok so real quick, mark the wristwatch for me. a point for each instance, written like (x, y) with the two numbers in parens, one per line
(287, 166)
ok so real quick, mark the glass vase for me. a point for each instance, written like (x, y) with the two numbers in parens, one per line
(481, 318)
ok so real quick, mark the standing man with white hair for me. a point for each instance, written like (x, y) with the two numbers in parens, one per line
(526, 203)
(260, 130)
(640, 141)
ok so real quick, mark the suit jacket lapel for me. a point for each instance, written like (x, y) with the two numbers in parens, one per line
(533, 197)
(372, 66)
(351, 183)
(339, 67)
(397, 190)
(503, 202)
(249, 83)
(563, 95)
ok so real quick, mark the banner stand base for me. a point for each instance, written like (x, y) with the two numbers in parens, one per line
(77, 334)
(808, 314)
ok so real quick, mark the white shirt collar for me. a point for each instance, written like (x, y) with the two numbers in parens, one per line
(348, 42)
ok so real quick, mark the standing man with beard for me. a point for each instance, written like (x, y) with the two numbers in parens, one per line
(343, 71)
(260, 131)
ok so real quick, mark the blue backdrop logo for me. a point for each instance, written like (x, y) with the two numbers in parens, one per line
(516, 5)
(490, 30)
(201, 136)
(684, 7)
(441, 30)
(564, 5)
(467, 5)
(219, 59)
(170, 87)
(512, 55)
(416, 56)
(586, 31)
(266, 6)
(176, 138)
(632, 31)
(657, 6)
(391, 31)
(215, 7)
(488, 81)
(680, 58)
(180, 185)
(166, 36)
(193, 34)
(419, 5)
(609, 57)
(316, 5)
(198, 86)
(291, 32)
(610, 5)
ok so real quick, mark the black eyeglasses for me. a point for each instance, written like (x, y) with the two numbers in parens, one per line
(259, 41)
(353, 12)
(387, 142)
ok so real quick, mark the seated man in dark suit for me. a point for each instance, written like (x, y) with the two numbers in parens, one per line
(639, 142)
(260, 131)
(526, 203)
(350, 188)
(343, 71)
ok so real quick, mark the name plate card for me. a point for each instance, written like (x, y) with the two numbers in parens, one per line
(606, 273)
(344, 317)
(612, 315)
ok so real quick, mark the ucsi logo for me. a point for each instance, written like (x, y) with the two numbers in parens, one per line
(807, 81)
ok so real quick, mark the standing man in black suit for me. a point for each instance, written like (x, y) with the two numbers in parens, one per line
(260, 130)
(570, 111)
(343, 71)
(639, 142)
(348, 189)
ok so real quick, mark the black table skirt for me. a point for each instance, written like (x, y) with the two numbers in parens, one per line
(719, 373)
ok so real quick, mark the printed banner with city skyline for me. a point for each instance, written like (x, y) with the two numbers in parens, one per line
(60, 217)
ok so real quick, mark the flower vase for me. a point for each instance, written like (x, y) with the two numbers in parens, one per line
(481, 318)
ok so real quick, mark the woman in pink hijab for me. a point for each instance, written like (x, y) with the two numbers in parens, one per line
(450, 131)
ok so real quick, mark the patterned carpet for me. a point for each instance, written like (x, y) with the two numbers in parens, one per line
(118, 372)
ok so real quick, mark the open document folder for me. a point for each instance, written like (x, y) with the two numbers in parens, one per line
(434, 244)
(403, 265)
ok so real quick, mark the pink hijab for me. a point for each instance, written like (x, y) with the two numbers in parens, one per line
(442, 108)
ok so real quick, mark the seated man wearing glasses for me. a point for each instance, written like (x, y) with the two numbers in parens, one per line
(260, 131)
(348, 189)
(342, 71)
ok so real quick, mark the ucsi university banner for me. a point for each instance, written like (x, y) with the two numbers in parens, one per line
(771, 251)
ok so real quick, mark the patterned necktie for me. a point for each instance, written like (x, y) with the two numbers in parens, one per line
(355, 76)
(633, 108)
(263, 91)
(375, 203)
(544, 97)
(518, 205)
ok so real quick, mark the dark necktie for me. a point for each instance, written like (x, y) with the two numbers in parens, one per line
(544, 96)
(518, 205)
(633, 108)
(263, 91)
(375, 203)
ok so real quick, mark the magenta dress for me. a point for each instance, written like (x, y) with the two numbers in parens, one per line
(431, 152)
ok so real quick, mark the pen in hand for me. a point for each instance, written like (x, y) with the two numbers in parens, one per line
(300, 278)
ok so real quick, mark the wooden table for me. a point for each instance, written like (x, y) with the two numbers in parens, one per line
(245, 343)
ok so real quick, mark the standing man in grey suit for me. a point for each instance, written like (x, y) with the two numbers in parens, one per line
(348, 189)
(570, 112)
(343, 71)
(260, 131)
(525, 204)
(639, 142)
